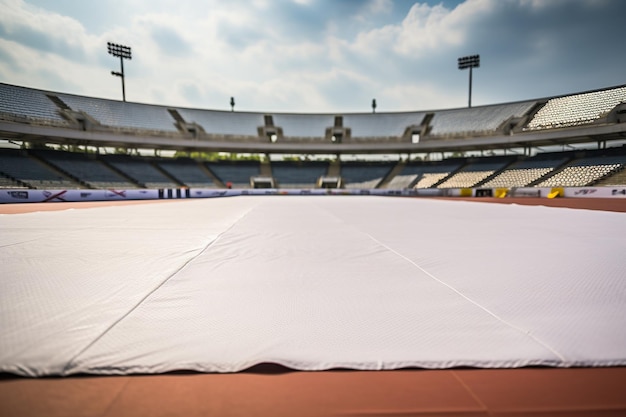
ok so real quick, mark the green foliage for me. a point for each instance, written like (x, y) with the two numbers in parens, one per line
(217, 156)
(37, 145)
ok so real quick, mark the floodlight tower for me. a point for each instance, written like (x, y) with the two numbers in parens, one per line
(472, 61)
(123, 52)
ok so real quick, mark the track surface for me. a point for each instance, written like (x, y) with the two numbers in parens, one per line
(606, 204)
(268, 390)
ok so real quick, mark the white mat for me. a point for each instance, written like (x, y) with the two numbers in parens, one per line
(311, 283)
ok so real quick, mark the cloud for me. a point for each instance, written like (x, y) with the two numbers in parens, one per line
(317, 55)
(42, 31)
(170, 42)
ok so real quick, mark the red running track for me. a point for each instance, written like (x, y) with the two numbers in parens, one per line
(268, 390)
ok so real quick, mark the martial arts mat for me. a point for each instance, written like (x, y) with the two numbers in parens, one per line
(310, 283)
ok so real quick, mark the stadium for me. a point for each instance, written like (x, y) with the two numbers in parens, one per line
(367, 246)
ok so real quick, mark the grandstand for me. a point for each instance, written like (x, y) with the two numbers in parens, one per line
(96, 129)
(577, 109)
(474, 173)
(313, 283)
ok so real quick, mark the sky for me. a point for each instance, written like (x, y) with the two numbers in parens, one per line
(314, 56)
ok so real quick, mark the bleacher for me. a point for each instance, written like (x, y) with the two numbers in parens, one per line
(367, 125)
(140, 170)
(43, 107)
(525, 172)
(303, 174)
(29, 104)
(224, 123)
(122, 115)
(8, 183)
(406, 176)
(585, 171)
(66, 170)
(474, 173)
(577, 109)
(426, 175)
(364, 174)
(39, 115)
(237, 173)
(17, 164)
(86, 168)
(303, 125)
(188, 172)
(401, 181)
(483, 120)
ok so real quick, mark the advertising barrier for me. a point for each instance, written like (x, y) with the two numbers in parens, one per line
(56, 196)
(596, 192)
(43, 196)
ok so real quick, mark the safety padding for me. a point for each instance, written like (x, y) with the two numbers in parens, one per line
(40, 196)
(556, 192)
(502, 192)
(169, 193)
(467, 192)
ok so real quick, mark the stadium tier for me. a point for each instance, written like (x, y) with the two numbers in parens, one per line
(303, 174)
(440, 293)
(477, 120)
(577, 109)
(230, 124)
(52, 169)
(102, 135)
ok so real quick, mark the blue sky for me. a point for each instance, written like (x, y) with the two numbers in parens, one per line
(314, 55)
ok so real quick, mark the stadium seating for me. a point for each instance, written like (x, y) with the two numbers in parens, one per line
(426, 174)
(303, 125)
(109, 124)
(474, 173)
(120, 114)
(617, 177)
(237, 173)
(8, 183)
(525, 172)
(364, 174)
(34, 173)
(140, 170)
(585, 171)
(224, 122)
(517, 177)
(27, 103)
(577, 109)
(381, 124)
(86, 168)
(187, 172)
(289, 174)
(61, 169)
(476, 120)
(401, 181)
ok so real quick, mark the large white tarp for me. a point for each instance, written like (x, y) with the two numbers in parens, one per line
(312, 283)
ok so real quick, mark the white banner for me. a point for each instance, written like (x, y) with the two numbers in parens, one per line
(42, 196)
(596, 192)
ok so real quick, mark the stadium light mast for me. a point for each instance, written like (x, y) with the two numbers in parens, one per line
(471, 61)
(123, 52)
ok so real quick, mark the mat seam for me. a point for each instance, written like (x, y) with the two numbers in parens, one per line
(485, 309)
(70, 363)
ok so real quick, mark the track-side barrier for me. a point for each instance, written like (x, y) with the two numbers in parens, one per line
(41, 196)
(556, 192)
